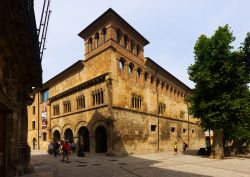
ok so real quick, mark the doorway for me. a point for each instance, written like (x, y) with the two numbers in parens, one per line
(101, 139)
(83, 134)
(57, 136)
(34, 142)
(68, 135)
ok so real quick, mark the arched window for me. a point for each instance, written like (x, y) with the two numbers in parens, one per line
(97, 38)
(104, 35)
(167, 86)
(90, 44)
(118, 36)
(125, 44)
(146, 76)
(132, 46)
(130, 68)
(138, 50)
(162, 84)
(158, 82)
(138, 72)
(122, 64)
(152, 79)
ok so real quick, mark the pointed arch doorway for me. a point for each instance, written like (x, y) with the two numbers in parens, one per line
(83, 134)
(101, 139)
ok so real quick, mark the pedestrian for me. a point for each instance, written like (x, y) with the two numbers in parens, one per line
(66, 151)
(50, 148)
(175, 148)
(184, 146)
(73, 147)
(56, 149)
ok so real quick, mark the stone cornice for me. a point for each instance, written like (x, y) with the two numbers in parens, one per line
(79, 87)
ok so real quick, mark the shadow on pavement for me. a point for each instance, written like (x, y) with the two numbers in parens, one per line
(99, 165)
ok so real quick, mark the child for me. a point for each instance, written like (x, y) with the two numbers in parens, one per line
(175, 148)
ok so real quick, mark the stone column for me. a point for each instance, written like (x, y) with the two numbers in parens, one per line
(24, 165)
(110, 117)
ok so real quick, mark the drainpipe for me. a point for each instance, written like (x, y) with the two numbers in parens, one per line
(158, 113)
(188, 123)
(38, 126)
(188, 129)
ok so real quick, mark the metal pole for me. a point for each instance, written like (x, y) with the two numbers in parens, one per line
(39, 29)
(46, 17)
(43, 47)
(188, 129)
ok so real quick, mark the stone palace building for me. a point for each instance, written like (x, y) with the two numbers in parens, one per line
(115, 100)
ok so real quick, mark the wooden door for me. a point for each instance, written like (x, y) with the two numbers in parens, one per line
(2, 141)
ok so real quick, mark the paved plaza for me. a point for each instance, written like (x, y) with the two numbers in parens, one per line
(146, 165)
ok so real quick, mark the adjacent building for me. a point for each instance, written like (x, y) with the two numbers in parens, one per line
(115, 100)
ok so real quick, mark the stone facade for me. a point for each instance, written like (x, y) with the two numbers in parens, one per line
(116, 100)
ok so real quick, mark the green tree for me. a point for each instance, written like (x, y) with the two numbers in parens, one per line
(220, 76)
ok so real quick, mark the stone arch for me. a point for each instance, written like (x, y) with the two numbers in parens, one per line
(67, 126)
(125, 41)
(68, 135)
(152, 79)
(96, 119)
(131, 67)
(56, 136)
(138, 72)
(118, 35)
(158, 81)
(53, 129)
(122, 62)
(146, 76)
(104, 35)
(83, 139)
(162, 84)
(132, 46)
(79, 125)
(90, 44)
(97, 40)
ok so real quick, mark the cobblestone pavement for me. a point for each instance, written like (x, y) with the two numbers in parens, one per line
(146, 165)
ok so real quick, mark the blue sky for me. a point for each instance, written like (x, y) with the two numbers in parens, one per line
(171, 26)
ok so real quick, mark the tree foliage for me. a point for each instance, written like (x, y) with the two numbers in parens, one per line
(221, 95)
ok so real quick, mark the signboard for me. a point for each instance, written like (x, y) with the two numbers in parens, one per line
(44, 115)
